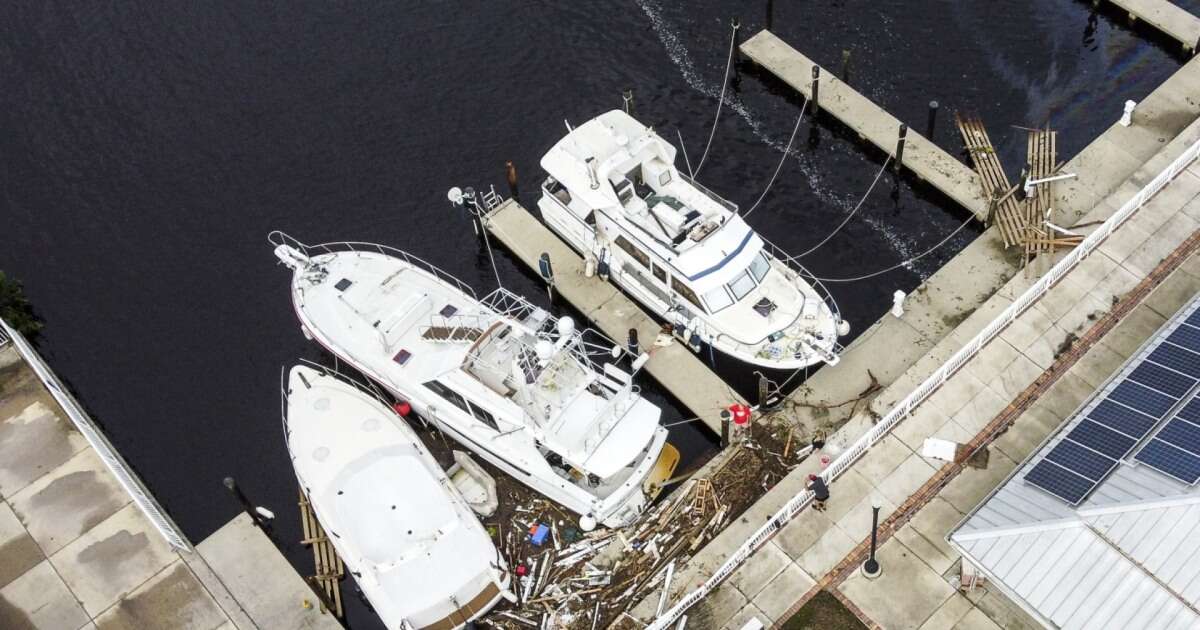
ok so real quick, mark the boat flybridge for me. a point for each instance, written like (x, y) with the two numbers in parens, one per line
(521, 389)
(614, 194)
(393, 515)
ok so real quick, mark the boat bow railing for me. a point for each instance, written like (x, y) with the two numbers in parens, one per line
(729, 205)
(278, 238)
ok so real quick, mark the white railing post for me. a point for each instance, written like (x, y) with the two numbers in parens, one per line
(104, 449)
(935, 380)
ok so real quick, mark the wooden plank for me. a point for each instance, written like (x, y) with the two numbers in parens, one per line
(870, 121)
(328, 567)
(995, 184)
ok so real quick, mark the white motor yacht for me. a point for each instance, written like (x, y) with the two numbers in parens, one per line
(391, 512)
(614, 194)
(512, 384)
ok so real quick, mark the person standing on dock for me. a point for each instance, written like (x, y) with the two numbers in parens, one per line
(821, 492)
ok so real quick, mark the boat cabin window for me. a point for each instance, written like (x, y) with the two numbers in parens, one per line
(759, 267)
(717, 299)
(741, 285)
(685, 292)
(483, 416)
(448, 394)
(633, 251)
(659, 273)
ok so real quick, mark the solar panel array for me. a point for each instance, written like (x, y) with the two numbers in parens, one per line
(1175, 449)
(1131, 407)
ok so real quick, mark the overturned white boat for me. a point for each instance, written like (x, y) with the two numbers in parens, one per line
(614, 194)
(501, 376)
(393, 515)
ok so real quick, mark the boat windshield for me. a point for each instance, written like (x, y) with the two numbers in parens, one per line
(717, 299)
(741, 285)
(759, 267)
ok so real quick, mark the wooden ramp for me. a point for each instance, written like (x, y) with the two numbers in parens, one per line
(1167, 18)
(1042, 154)
(329, 569)
(871, 122)
(675, 367)
(1004, 209)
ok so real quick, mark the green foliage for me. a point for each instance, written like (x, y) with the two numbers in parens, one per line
(15, 309)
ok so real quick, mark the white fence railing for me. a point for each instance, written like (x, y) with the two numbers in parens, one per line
(3, 338)
(104, 449)
(904, 407)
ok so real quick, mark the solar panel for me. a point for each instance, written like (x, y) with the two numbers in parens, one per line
(1186, 336)
(1162, 379)
(1081, 460)
(1191, 411)
(1177, 359)
(1143, 399)
(1121, 418)
(1171, 461)
(1182, 434)
(1059, 481)
(1194, 318)
(1102, 439)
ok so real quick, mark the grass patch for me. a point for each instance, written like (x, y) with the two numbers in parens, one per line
(824, 612)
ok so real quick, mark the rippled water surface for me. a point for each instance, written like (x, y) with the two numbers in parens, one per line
(148, 150)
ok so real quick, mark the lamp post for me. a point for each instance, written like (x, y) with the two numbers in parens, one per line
(871, 568)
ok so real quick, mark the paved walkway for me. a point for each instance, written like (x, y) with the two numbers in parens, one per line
(76, 553)
(809, 547)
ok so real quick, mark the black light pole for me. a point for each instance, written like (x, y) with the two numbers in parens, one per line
(871, 568)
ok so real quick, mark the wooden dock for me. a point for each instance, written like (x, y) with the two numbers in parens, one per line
(922, 157)
(1004, 209)
(675, 367)
(329, 569)
(1167, 18)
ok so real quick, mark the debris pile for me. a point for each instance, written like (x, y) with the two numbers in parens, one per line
(566, 578)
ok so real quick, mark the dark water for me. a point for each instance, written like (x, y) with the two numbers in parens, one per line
(148, 148)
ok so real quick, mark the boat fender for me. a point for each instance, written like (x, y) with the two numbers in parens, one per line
(587, 523)
(544, 267)
(640, 361)
(602, 267)
(307, 335)
(694, 341)
(589, 267)
(403, 408)
(843, 327)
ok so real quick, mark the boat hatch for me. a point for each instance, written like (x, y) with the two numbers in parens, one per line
(764, 307)
(402, 357)
(448, 310)
(343, 284)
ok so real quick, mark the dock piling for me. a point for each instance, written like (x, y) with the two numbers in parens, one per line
(634, 347)
(816, 85)
(511, 172)
(259, 520)
(900, 146)
(725, 418)
(929, 126)
(845, 75)
(770, 14)
(547, 273)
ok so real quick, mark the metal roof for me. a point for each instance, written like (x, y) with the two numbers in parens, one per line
(1128, 556)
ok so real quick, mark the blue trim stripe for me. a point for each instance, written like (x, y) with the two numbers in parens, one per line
(728, 258)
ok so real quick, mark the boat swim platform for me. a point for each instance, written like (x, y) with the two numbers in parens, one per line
(79, 553)
(1167, 18)
(921, 156)
(675, 367)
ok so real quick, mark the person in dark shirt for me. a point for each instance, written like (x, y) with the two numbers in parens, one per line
(817, 485)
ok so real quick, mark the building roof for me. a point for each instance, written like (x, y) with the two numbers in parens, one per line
(1127, 556)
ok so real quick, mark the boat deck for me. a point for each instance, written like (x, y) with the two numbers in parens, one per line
(675, 367)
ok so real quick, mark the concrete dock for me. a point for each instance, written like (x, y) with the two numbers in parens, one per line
(1167, 18)
(921, 156)
(76, 553)
(675, 367)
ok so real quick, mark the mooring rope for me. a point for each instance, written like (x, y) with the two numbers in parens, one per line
(783, 158)
(721, 102)
(814, 248)
(900, 264)
(491, 257)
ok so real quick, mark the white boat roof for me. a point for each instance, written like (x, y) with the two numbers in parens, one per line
(1128, 556)
(616, 143)
(393, 515)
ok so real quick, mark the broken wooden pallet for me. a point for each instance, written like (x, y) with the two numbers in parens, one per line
(1004, 210)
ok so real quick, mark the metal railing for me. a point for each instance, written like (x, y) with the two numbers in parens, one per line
(802, 272)
(95, 438)
(4, 340)
(277, 238)
(939, 377)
